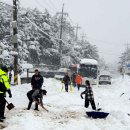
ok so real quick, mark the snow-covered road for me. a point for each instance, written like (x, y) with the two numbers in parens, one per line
(66, 110)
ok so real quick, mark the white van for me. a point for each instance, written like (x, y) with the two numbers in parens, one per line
(104, 79)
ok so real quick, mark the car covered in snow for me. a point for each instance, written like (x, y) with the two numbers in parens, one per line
(48, 74)
(104, 79)
(59, 75)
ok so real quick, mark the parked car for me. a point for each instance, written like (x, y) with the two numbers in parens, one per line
(48, 74)
(59, 75)
(104, 79)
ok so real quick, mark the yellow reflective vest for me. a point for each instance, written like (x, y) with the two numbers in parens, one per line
(4, 79)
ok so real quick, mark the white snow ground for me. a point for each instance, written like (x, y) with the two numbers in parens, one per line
(66, 110)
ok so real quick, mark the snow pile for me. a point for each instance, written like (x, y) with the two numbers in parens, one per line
(66, 110)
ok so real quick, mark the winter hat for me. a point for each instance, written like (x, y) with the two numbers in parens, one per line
(4, 68)
(44, 91)
(87, 82)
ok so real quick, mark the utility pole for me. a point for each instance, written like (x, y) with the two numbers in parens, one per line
(82, 37)
(15, 41)
(127, 46)
(62, 14)
(61, 30)
(76, 34)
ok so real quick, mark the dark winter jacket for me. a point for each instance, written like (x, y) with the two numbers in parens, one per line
(66, 79)
(88, 93)
(73, 77)
(37, 81)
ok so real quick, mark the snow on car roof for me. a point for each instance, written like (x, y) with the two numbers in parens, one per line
(63, 70)
(88, 61)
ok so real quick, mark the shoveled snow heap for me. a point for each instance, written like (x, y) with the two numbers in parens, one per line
(66, 110)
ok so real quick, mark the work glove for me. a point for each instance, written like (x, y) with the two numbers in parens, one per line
(9, 92)
(10, 96)
(69, 83)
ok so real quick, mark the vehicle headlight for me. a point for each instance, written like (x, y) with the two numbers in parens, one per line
(95, 81)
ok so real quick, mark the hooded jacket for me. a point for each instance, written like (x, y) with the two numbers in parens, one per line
(88, 93)
(78, 79)
(4, 82)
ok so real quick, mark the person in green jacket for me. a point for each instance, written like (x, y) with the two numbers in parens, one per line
(4, 87)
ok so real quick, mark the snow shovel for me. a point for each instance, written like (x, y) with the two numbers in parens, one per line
(97, 114)
(10, 105)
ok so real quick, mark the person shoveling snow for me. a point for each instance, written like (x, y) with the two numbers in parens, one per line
(36, 97)
(88, 96)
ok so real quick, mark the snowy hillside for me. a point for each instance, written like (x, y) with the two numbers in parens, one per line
(66, 110)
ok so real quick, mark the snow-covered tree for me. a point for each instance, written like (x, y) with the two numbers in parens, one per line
(38, 38)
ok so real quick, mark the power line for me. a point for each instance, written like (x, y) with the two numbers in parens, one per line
(58, 38)
(107, 42)
(63, 41)
(53, 5)
(40, 29)
(70, 20)
(43, 31)
(58, 3)
(49, 5)
(108, 53)
(41, 5)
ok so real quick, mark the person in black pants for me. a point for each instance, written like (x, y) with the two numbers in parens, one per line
(36, 82)
(37, 98)
(88, 96)
(4, 87)
(66, 81)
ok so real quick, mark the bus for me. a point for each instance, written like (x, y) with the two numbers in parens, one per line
(88, 69)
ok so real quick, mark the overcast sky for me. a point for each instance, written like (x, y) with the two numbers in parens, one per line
(106, 23)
